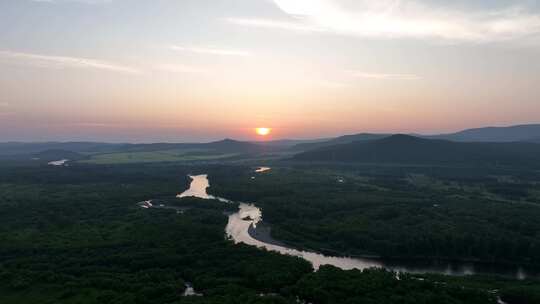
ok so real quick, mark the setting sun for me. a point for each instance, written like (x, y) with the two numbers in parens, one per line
(263, 131)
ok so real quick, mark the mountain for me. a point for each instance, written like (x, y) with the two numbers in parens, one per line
(230, 145)
(494, 134)
(345, 139)
(410, 149)
(528, 133)
(524, 133)
(287, 143)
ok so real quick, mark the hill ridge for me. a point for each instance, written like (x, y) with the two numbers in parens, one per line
(403, 148)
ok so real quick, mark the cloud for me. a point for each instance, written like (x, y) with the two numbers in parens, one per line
(211, 51)
(401, 19)
(47, 61)
(379, 76)
(276, 24)
(4, 104)
(180, 68)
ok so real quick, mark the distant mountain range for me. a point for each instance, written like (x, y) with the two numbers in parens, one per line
(495, 134)
(288, 143)
(410, 149)
(520, 133)
(338, 140)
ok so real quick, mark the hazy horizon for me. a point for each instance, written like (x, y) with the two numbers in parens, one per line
(251, 138)
(203, 70)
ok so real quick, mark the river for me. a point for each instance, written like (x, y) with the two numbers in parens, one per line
(62, 162)
(242, 227)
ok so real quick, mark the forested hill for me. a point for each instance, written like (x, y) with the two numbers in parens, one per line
(519, 133)
(410, 149)
(495, 134)
(345, 139)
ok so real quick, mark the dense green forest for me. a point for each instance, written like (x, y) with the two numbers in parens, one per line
(486, 214)
(76, 235)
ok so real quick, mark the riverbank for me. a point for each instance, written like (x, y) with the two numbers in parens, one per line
(246, 226)
(262, 233)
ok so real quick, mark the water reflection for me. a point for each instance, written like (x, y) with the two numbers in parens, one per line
(190, 292)
(238, 229)
(262, 169)
(61, 162)
(242, 227)
(197, 188)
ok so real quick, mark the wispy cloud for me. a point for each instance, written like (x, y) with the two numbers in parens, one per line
(401, 19)
(275, 24)
(382, 76)
(211, 51)
(181, 68)
(47, 61)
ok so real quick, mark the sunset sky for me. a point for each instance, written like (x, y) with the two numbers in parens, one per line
(200, 70)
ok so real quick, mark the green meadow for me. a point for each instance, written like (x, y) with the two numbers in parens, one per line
(157, 156)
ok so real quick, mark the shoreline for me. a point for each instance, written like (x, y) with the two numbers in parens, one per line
(417, 264)
(262, 233)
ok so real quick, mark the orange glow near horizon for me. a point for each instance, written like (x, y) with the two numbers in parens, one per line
(263, 131)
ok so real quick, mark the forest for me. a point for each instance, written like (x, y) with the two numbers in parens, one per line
(75, 234)
(400, 149)
(480, 214)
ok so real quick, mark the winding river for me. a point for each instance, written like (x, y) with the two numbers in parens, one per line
(242, 227)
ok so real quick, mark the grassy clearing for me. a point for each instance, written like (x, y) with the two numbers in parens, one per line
(156, 156)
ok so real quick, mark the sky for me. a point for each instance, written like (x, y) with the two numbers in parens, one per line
(202, 70)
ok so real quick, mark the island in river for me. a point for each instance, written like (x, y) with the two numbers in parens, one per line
(73, 235)
(254, 232)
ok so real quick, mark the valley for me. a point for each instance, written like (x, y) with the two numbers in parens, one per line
(291, 227)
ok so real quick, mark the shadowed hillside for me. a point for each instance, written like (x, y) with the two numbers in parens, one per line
(345, 139)
(495, 134)
(525, 133)
(410, 149)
